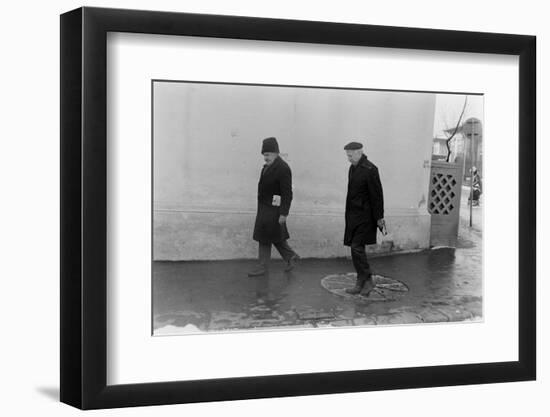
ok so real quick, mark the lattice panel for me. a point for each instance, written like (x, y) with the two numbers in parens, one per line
(443, 192)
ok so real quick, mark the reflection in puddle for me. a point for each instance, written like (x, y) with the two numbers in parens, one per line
(444, 285)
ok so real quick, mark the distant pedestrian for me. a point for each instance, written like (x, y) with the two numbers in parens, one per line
(476, 187)
(274, 198)
(364, 214)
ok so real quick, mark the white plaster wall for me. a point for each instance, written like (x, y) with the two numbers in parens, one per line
(207, 140)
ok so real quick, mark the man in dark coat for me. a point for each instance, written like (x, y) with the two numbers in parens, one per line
(364, 214)
(274, 198)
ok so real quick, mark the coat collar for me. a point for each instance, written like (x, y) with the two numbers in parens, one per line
(268, 168)
(363, 162)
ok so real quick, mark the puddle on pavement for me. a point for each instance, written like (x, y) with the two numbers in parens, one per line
(219, 296)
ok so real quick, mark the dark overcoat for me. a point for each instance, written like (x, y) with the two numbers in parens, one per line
(275, 179)
(364, 203)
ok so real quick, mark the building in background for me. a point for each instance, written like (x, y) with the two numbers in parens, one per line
(447, 115)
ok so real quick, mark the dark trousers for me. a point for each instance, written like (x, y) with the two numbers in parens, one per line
(359, 258)
(264, 251)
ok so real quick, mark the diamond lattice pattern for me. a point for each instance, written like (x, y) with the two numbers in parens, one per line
(442, 194)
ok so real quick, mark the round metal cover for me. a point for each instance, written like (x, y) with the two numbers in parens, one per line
(386, 289)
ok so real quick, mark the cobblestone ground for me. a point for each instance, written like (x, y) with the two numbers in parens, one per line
(444, 285)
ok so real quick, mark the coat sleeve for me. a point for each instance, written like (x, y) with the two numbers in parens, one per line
(376, 195)
(286, 191)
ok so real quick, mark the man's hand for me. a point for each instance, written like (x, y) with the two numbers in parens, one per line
(282, 220)
(382, 226)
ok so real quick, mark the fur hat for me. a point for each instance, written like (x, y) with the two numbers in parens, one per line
(270, 145)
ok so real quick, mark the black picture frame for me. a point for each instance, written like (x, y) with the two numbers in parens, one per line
(84, 207)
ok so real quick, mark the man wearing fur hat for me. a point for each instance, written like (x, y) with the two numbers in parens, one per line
(364, 214)
(274, 198)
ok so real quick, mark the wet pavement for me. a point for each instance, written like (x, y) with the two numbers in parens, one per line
(444, 285)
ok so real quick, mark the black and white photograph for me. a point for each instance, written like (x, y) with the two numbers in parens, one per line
(291, 208)
(283, 207)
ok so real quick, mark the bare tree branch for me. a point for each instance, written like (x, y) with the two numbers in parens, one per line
(455, 130)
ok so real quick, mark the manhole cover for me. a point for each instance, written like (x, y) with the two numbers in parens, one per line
(386, 289)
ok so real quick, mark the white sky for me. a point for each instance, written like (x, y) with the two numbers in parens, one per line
(448, 108)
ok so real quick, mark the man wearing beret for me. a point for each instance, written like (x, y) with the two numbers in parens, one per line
(364, 214)
(274, 198)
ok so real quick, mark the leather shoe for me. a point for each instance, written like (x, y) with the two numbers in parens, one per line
(291, 263)
(368, 287)
(358, 286)
(258, 271)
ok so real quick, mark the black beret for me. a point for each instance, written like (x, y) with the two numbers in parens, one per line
(352, 146)
(270, 145)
